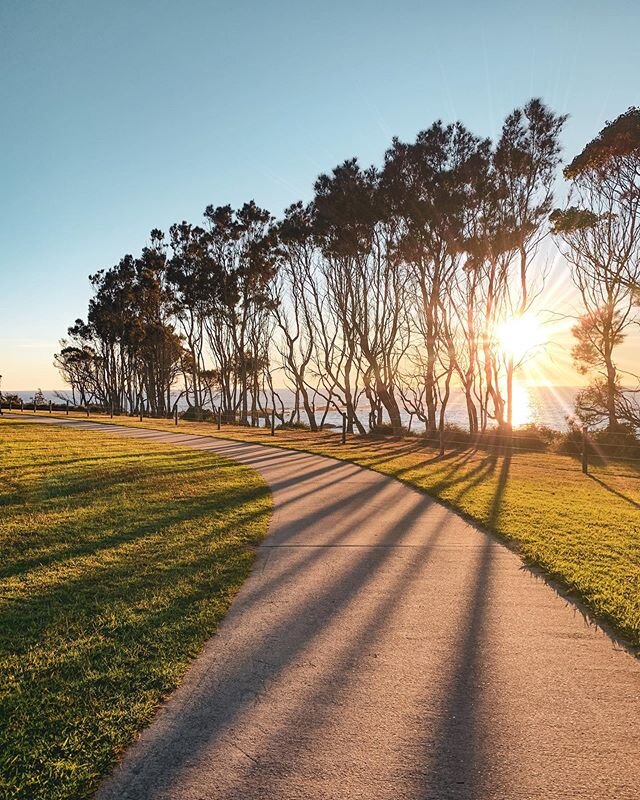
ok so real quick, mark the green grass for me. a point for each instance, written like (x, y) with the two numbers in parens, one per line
(120, 558)
(584, 531)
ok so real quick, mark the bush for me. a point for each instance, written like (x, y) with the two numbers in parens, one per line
(293, 426)
(198, 414)
(602, 445)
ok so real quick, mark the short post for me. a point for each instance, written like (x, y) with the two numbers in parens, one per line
(10, 405)
(273, 422)
(49, 406)
(86, 407)
(67, 409)
(344, 429)
(21, 405)
(34, 405)
(442, 441)
(111, 410)
(219, 418)
(175, 414)
(585, 451)
(140, 409)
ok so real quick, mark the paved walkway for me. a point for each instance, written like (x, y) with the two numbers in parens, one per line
(383, 649)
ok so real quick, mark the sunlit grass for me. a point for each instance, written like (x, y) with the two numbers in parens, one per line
(582, 530)
(120, 558)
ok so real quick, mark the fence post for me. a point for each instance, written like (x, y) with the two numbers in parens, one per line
(21, 405)
(34, 405)
(86, 406)
(175, 413)
(67, 409)
(111, 410)
(219, 418)
(10, 405)
(442, 441)
(585, 451)
(273, 422)
(140, 409)
(344, 429)
(49, 406)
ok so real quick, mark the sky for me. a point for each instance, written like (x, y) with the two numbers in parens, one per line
(120, 116)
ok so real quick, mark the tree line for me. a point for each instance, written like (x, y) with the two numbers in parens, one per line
(385, 293)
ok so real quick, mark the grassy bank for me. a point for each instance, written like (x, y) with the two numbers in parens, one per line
(582, 530)
(120, 558)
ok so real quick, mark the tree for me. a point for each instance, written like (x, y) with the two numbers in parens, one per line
(600, 228)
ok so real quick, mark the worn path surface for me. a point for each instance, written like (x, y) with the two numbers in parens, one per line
(384, 649)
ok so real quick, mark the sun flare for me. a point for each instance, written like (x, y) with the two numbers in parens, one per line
(520, 337)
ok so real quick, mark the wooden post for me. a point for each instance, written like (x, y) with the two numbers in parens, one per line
(10, 405)
(21, 405)
(111, 410)
(344, 429)
(34, 405)
(585, 452)
(49, 406)
(175, 413)
(219, 418)
(441, 441)
(140, 408)
(86, 406)
(273, 422)
(67, 409)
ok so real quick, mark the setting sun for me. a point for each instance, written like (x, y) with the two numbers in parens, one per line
(519, 337)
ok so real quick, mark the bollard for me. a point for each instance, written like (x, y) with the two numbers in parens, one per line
(34, 405)
(49, 406)
(219, 418)
(21, 404)
(140, 415)
(585, 452)
(442, 441)
(86, 406)
(111, 410)
(273, 422)
(67, 409)
(344, 429)
(175, 414)
(10, 405)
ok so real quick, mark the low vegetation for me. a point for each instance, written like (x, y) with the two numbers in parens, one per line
(120, 558)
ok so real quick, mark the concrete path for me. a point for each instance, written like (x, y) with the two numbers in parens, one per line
(384, 649)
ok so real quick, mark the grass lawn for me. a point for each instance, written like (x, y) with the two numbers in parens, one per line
(119, 559)
(584, 531)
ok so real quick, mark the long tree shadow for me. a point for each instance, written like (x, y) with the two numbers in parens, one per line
(615, 492)
(462, 766)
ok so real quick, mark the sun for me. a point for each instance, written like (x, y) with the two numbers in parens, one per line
(521, 336)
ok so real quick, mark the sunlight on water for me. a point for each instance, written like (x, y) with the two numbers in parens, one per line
(523, 412)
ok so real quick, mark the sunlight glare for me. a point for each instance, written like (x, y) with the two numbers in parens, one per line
(520, 337)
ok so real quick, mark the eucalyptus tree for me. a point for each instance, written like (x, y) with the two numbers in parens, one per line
(364, 281)
(242, 251)
(426, 183)
(196, 289)
(293, 304)
(600, 228)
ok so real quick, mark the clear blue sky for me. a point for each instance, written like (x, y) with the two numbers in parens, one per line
(123, 115)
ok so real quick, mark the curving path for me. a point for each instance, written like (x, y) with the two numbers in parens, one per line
(383, 648)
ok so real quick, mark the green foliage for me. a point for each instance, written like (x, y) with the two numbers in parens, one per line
(119, 561)
(617, 140)
(572, 219)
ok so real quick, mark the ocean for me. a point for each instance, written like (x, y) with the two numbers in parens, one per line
(540, 405)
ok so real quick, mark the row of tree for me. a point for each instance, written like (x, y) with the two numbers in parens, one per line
(385, 293)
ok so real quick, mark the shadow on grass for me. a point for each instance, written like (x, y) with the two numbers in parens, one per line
(615, 492)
